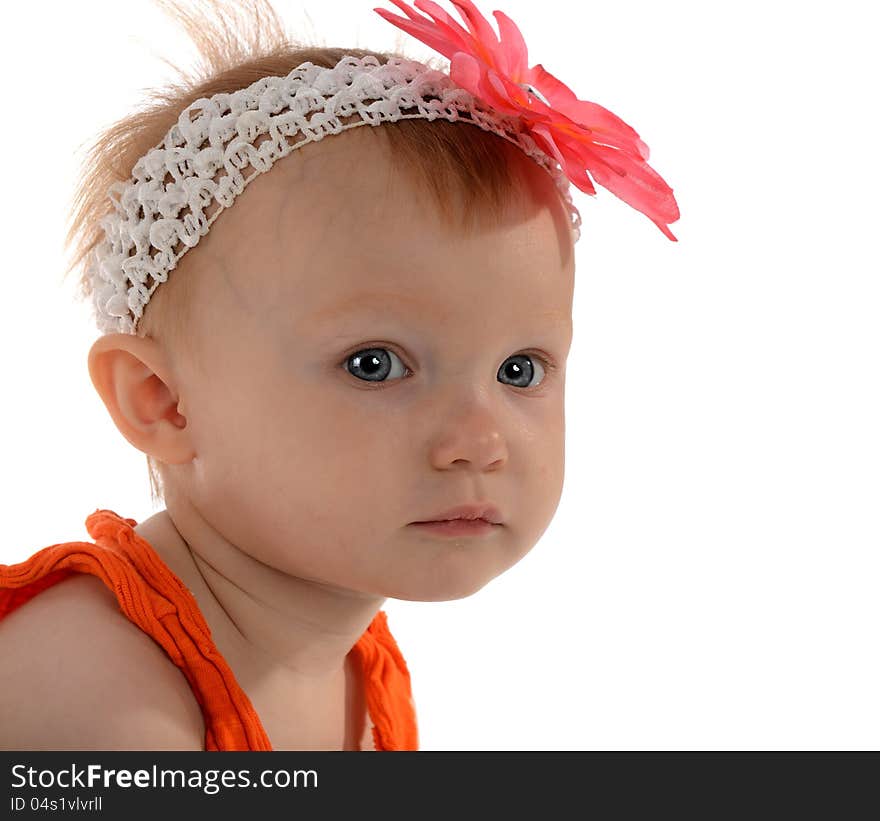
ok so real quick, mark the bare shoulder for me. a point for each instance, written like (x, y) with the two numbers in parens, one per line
(76, 674)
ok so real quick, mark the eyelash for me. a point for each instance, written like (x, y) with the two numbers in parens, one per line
(548, 364)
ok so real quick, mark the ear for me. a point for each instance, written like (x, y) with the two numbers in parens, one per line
(132, 377)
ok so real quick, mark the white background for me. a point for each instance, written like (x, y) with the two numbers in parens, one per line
(710, 578)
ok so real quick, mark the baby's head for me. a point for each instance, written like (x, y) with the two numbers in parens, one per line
(374, 332)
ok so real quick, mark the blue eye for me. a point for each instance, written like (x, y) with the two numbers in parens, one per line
(374, 363)
(521, 368)
(377, 364)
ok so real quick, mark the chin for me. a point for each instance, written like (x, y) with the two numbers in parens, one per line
(440, 589)
(448, 570)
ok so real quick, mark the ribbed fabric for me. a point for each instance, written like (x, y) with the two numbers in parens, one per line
(152, 597)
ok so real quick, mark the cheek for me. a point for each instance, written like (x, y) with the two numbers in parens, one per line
(358, 426)
(548, 478)
(321, 453)
(546, 458)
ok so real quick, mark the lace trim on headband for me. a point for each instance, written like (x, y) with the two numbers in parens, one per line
(219, 144)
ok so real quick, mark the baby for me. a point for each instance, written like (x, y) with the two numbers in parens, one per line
(351, 388)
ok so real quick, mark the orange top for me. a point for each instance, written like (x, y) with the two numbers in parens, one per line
(152, 597)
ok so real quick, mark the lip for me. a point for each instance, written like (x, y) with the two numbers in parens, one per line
(457, 527)
(467, 513)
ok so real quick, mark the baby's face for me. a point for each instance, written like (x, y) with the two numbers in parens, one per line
(367, 368)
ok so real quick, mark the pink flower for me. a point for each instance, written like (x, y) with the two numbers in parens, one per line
(582, 136)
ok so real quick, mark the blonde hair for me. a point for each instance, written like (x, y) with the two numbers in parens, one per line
(442, 157)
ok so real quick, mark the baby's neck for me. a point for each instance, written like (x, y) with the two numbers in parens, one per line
(318, 701)
(269, 623)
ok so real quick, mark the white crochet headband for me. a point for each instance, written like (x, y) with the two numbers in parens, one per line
(219, 133)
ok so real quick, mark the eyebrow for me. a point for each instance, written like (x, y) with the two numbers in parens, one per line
(376, 302)
(400, 305)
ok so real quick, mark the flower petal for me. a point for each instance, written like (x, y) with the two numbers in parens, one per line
(571, 165)
(443, 19)
(406, 10)
(469, 73)
(502, 100)
(584, 137)
(481, 39)
(439, 37)
(478, 25)
(464, 71)
(627, 177)
(513, 47)
(530, 106)
(592, 115)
